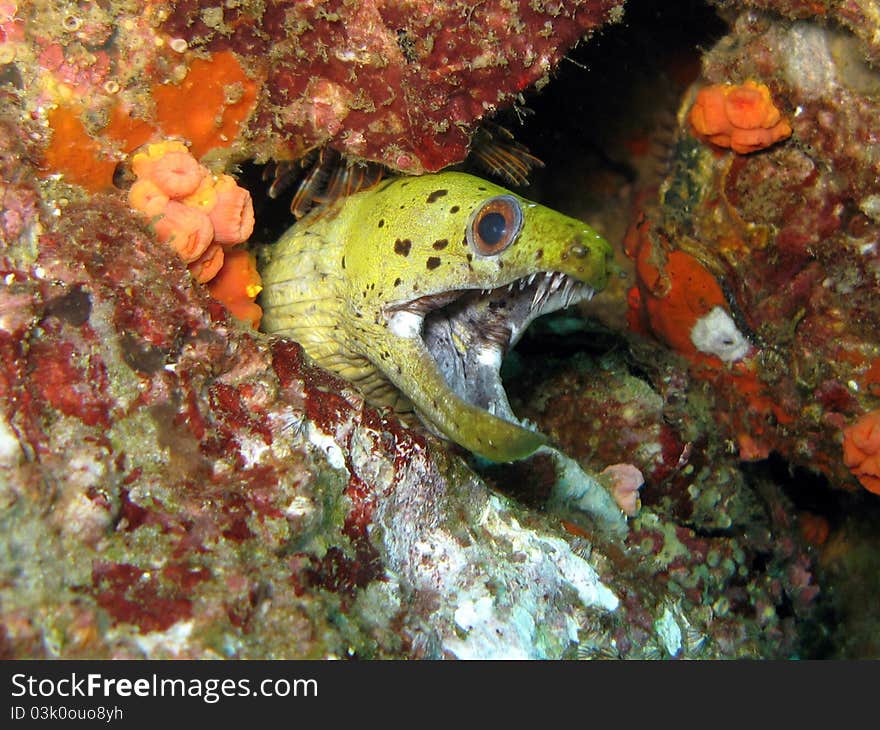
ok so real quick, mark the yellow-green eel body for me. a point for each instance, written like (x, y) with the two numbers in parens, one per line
(414, 290)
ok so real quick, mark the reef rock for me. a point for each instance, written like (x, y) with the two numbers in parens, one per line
(787, 234)
(173, 484)
(403, 83)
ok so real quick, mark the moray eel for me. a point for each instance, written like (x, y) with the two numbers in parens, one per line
(414, 290)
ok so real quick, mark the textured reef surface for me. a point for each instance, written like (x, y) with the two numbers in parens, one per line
(174, 483)
(403, 82)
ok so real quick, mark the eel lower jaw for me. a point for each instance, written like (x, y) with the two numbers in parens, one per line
(467, 332)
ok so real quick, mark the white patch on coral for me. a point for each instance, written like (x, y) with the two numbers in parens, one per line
(716, 334)
(86, 469)
(299, 506)
(669, 632)
(10, 448)
(807, 60)
(870, 206)
(173, 640)
(503, 625)
(326, 445)
(473, 612)
(252, 449)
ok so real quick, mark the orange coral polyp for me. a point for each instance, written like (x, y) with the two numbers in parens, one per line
(197, 214)
(204, 197)
(743, 118)
(145, 196)
(861, 450)
(233, 214)
(142, 161)
(208, 265)
(187, 230)
(177, 174)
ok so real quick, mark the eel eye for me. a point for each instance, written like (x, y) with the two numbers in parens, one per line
(494, 225)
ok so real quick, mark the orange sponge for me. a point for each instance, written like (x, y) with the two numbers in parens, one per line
(741, 117)
(237, 285)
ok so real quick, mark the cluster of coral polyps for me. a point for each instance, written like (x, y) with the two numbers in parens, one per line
(742, 117)
(402, 83)
(200, 216)
(758, 260)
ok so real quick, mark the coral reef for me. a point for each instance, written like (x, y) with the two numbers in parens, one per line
(400, 83)
(177, 486)
(174, 483)
(780, 240)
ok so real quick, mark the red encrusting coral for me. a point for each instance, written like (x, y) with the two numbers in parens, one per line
(403, 84)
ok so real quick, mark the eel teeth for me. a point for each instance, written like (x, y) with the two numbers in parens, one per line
(568, 290)
(540, 291)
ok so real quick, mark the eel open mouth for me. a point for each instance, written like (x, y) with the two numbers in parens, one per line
(468, 332)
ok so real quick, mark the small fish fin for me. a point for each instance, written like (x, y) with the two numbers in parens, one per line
(323, 176)
(495, 150)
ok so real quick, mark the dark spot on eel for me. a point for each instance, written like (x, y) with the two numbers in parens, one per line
(397, 281)
(381, 222)
(433, 262)
(454, 209)
(440, 244)
(435, 196)
(402, 247)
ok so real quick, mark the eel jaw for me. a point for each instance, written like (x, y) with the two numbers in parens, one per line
(468, 332)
